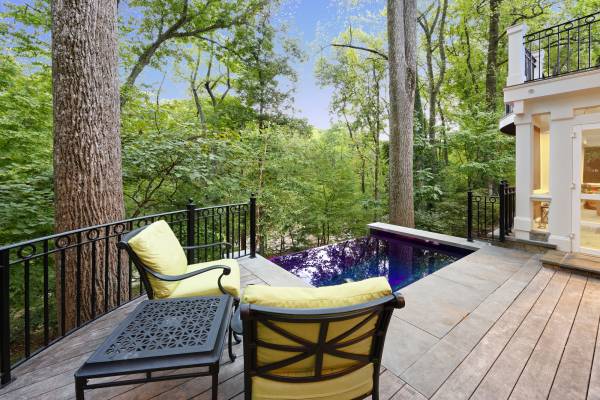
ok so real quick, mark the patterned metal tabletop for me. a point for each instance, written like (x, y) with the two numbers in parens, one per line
(165, 328)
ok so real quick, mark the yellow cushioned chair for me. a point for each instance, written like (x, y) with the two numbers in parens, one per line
(165, 273)
(164, 270)
(315, 343)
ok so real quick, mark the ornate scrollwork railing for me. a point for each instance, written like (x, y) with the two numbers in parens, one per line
(565, 48)
(52, 286)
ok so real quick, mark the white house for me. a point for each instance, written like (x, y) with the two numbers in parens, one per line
(553, 107)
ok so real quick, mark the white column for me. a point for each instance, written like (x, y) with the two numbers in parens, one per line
(524, 163)
(516, 55)
(561, 156)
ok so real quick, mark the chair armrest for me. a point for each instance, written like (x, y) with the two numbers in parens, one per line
(203, 246)
(176, 278)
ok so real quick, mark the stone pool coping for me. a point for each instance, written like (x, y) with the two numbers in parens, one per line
(428, 236)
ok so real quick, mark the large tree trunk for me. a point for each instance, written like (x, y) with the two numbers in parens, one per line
(88, 184)
(491, 78)
(402, 26)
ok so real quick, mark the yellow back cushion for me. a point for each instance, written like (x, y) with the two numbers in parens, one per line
(158, 248)
(331, 296)
(348, 294)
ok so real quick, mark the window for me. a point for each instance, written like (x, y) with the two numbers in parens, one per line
(541, 153)
(590, 184)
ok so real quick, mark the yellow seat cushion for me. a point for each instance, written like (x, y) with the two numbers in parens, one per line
(158, 248)
(347, 294)
(351, 386)
(206, 284)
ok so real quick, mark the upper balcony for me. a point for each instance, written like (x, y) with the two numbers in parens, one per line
(560, 59)
(568, 48)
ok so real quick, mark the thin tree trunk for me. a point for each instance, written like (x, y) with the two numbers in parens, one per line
(194, 87)
(402, 25)
(363, 186)
(88, 184)
(376, 141)
(491, 78)
(444, 135)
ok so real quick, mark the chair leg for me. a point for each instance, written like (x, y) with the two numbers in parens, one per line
(229, 347)
(215, 383)
(236, 304)
(375, 394)
(79, 388)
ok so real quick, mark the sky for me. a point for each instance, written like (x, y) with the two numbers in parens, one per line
(313, 23)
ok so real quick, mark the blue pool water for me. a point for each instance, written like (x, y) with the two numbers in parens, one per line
(400, 259)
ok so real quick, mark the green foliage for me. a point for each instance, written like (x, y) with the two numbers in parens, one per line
(26, 158)
(481, 155)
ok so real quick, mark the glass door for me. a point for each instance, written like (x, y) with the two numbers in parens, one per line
(586, 172)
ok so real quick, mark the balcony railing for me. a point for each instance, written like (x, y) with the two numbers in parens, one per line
(569, 47)
(54, 285)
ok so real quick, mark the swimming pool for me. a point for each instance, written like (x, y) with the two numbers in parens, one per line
(402, 260)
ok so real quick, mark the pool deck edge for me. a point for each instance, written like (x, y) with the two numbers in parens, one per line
(429, 236)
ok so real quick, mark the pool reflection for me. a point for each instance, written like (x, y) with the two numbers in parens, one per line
(401, 260)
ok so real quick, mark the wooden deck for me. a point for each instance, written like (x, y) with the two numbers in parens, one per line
(495, 325)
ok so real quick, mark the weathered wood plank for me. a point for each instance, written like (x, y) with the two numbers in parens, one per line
(78, 342)
(536, 379)
(573, 373)
(408, 393)
(389, 385)
(594, 385)
(501, 378)
(465, 379)
(432, 370)
(192, 387)
(227, 389)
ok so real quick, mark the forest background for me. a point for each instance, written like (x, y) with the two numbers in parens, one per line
(234, 130)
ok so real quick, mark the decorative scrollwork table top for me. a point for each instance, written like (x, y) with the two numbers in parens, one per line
(165, 328)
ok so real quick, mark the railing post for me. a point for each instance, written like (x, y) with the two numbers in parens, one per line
(253, 226)
(470, 215)
(502, 212)
(4, 318)
(191, 230)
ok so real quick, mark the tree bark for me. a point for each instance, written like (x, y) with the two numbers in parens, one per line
(491, 78)
(88, 183)
(402, 39)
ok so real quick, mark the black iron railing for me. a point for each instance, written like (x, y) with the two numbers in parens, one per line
(562, 49)
(491, 216)
(54, 285)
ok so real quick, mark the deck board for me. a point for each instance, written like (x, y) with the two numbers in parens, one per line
(534, 335)
(571, 381)
(537, 377)
(467, 376)
(505, 372)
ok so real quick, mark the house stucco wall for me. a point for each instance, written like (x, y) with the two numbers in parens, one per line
(560, 101)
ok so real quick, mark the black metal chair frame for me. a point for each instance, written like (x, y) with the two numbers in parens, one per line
(251, 315)
(144, 271)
